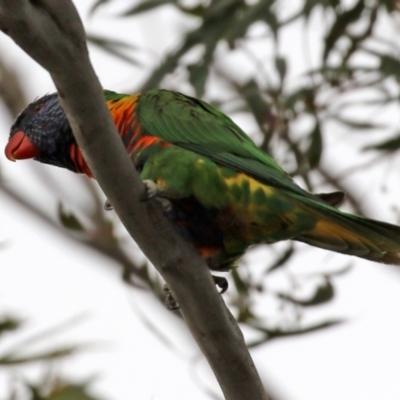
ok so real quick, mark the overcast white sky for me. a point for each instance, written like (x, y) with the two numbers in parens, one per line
(46, 278)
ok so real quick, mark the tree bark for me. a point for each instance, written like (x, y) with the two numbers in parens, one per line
(51, 32)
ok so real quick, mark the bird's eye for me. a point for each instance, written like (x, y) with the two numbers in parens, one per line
(38, 107)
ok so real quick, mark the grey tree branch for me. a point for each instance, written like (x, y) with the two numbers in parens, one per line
(51, 32)
(11, 89)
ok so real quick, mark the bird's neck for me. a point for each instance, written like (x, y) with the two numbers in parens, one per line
(123, 113)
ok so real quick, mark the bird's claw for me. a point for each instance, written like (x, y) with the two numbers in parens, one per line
(166, 205)
(169, 300)
(154, 191)
(173, 305)
(108, 206)
(151, 190)
(221, 282)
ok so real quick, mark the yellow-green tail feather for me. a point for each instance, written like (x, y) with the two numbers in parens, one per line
(353, 235)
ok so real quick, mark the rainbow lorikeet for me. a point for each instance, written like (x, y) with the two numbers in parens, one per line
(224, 193)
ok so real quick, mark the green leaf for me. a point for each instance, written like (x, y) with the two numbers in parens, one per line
(309, 5)
(281, 261)
(96, 5)
(301, 100)
(361, 125)
(61, 391)
(316, 146)
(197, 76)
(146, 5)
(255, 102)
(389, 66)
(68, 220)
(247, 15)
(198, 72)
(276, 333)
(281, 67)
(340, 25)
(61, 352)
(389, 145)
(391, 5)
(197, 11)
(241, 286)
(8, 324)
(322, 294)
(217, 19)
(113, 47)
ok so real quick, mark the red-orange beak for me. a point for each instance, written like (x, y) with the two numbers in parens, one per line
(19, 147)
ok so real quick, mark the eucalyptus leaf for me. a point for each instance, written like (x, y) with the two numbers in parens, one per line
(117, 48)
(388, 145)
(340, 26)
(316, 146)
(146, 5)
(69, 220)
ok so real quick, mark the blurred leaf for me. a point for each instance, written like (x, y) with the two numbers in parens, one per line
(340, 25)
(212, 31)
(46, 334)
(218, 17)
(62, 391)
(242, 300)
(219, 9)
(240, 285)
(260, 11)
(113, 47)
(146, 5)
(356, 40)
(389, 145)
(301, 100)
(97, 4)
(68, 220)
(359, 125)
(197, 76)
(391, 5)
(281, 67)
(198, 72)
(309, 5)
(390, 66)
(278, 333)
(251, 93)
(281, 260)
(316, 146)
(322, 294)
(259, 108)
(13, 354)
(197, 11)
(13, 358)
(8, 324)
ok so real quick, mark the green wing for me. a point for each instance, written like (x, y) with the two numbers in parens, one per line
(197, 126)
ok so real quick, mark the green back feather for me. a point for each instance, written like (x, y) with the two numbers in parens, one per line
(197, 126)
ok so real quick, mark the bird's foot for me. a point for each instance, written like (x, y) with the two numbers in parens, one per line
(166, 205)
(108, 206)
(221, 282)
(152, 190)
(173, 305)
(169, 300)
(156, 191)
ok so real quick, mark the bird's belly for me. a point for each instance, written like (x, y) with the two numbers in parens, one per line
(258, 213)
(223, 235)
(220, 210)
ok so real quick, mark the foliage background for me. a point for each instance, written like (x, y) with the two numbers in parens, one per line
(315, 83)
